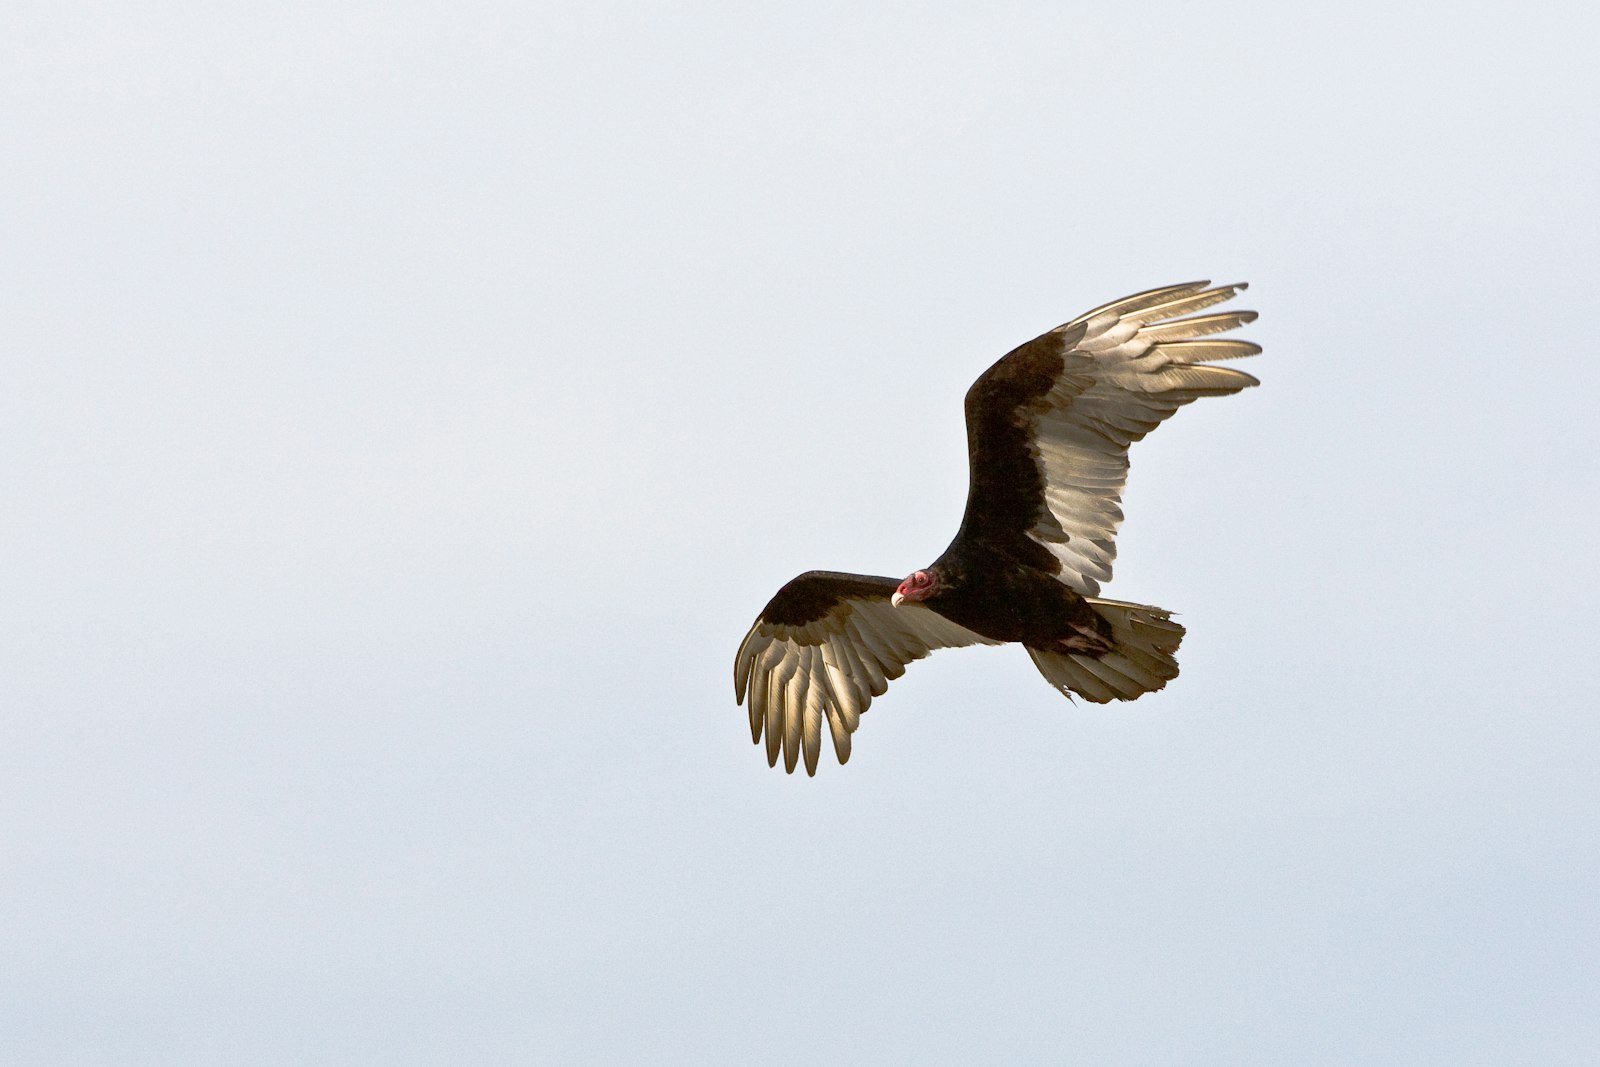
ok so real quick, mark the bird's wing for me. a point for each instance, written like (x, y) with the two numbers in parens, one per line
(1049, 425)
(823, 647)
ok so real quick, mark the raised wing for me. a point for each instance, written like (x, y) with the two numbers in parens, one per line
(823, 648)
(1048, 427)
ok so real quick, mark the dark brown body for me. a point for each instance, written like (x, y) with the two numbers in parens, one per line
(1000, 598)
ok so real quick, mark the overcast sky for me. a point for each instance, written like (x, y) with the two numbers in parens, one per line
(405, 408)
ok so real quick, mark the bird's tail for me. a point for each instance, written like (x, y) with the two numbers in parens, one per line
(1139, 662)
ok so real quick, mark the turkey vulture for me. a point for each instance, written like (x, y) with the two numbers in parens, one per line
(1048, 430)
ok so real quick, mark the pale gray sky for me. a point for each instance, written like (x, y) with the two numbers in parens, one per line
(405, 409)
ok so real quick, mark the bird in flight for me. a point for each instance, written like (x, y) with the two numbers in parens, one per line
(1048, 430)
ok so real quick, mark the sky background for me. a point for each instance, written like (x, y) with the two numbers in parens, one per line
(405, 408)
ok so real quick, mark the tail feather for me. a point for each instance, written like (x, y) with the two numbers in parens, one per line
(1141, 661)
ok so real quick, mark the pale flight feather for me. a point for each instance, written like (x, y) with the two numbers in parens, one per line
(1129, 365)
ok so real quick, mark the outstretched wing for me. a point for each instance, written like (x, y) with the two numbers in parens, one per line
(1048, 427)
(823, 648)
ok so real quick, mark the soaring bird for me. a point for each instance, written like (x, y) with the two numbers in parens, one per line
(1048, 430)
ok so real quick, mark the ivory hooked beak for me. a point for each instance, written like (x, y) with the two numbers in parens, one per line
(897, 599)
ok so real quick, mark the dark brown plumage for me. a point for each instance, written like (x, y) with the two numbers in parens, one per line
(1048, 430)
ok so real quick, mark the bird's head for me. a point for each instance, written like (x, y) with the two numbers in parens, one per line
(919, 586)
